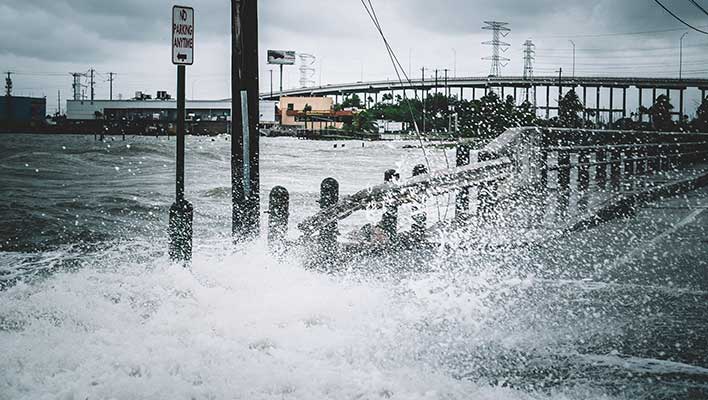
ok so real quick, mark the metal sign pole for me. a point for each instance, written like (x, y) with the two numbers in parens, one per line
(181, 212)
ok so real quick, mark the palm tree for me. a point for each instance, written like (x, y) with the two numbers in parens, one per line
(305, 110)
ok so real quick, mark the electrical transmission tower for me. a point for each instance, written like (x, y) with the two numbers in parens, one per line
(8, 84)
(499, 30)
(76, 86)
(307, 69)
(529, 57)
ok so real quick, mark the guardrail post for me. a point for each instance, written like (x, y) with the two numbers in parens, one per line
(543, 166)
(486, 195)
(665, 156)
(655, 162)
(615, 169)
(462, 202)
(389, 220)
(278, 214)
(640, 164)
(329, 196)
(563, 181)
(419, 216)
(601, 168)
(583, 170)
(629, 154)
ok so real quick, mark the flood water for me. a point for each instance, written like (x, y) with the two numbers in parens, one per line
(92, 308)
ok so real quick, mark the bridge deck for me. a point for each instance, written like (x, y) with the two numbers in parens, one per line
(484, 82)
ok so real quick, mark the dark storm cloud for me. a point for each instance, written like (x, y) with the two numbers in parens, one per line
(80, 30)
(549, 16)
(83, 30)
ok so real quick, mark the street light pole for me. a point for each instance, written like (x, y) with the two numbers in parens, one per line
(681, 55)
(454, 63)
(573, 43)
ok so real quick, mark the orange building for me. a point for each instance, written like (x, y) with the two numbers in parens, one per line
(321, 114)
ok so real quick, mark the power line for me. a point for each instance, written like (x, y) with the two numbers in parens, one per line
(398, 68)
(679, 19)
(699, 6)
(593, 35)
(623, 50)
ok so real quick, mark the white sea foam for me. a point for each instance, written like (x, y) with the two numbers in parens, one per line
(241, 325)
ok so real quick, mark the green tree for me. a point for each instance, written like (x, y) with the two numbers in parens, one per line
(350, 101)
(568, 109)
(701, 122)
(660, 113)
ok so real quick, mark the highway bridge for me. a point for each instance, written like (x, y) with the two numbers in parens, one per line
(536, 90)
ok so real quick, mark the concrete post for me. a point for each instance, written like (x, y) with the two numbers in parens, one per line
(615, 169)
(543, 169)
(583, 170)
(597, 105)
(641, 113)
(640, 164)
(278, 214)
(563, 181)
(389, 220)
(329, 196)
(629, 154)
(601, 168)
(462, 202)
(585, 104)
(681, 105)
(624, 102)
(612, 107)
(548, 100)
(419, 216)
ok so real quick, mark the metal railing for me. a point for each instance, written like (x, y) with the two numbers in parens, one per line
(519, 159)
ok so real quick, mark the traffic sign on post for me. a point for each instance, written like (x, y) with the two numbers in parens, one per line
(181, 212)
(182, 35)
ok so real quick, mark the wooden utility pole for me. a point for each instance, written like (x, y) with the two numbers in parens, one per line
(245, 179)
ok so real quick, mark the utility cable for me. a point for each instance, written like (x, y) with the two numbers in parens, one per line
(695, 3)
(679, 18)
(398, 69)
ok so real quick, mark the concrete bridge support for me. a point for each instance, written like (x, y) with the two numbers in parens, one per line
(597, 105)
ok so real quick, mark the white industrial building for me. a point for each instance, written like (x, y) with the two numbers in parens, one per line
(159, 110)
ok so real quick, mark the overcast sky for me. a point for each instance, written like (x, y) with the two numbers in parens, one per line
(45, 40)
